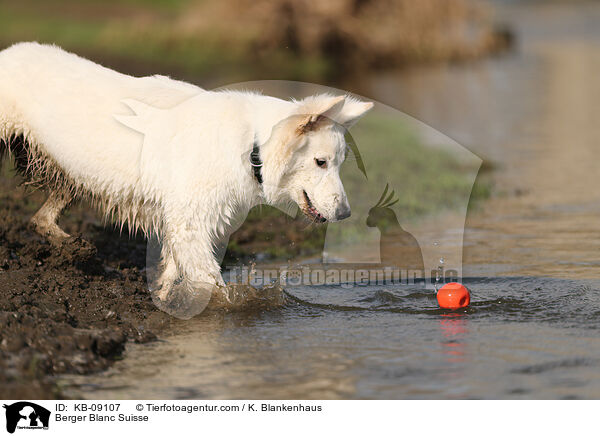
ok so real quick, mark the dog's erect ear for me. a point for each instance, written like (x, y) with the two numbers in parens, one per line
(320, 111)
(352, 111)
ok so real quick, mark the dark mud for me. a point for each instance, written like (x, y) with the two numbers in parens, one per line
(70, 309)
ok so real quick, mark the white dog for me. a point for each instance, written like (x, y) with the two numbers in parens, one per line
(204, 159)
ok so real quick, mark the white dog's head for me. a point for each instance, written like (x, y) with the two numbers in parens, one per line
(302, 158)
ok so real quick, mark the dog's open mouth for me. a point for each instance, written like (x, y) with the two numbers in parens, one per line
(310, 211)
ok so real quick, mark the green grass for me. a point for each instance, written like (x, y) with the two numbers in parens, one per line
(111, 38)
(167, 5)
(103, 38)
(21, 26)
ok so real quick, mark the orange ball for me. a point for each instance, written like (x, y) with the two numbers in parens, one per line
(453, 296)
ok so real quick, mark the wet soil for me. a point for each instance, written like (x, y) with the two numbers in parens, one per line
(69, 309)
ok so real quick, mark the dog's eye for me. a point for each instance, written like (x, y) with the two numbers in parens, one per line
(322, 163)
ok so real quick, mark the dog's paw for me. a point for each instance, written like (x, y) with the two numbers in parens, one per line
(183, 299)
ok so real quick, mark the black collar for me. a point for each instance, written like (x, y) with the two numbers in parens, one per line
(256, 163)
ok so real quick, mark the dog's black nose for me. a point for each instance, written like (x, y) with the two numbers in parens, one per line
(342, 212)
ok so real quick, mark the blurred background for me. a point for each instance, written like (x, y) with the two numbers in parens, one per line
(223, 42)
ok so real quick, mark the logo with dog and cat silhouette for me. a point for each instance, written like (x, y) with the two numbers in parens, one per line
(25, 415)
(396, 246)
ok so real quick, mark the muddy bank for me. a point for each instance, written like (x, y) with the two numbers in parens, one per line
(68, 309)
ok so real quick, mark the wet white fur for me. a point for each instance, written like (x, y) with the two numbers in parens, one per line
(186, 176)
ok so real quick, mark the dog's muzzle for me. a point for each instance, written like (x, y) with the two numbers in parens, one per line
(343, 211)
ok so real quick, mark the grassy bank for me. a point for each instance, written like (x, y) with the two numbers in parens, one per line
(244, 40)
(142, 37)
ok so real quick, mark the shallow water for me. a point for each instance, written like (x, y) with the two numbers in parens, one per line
(520, 338)
(532, 328)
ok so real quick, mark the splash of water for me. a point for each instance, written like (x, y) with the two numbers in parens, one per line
(439, 273)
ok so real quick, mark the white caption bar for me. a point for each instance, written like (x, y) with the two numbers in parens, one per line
(291, 417)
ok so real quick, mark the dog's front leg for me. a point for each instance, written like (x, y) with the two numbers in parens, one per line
(189, 267)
